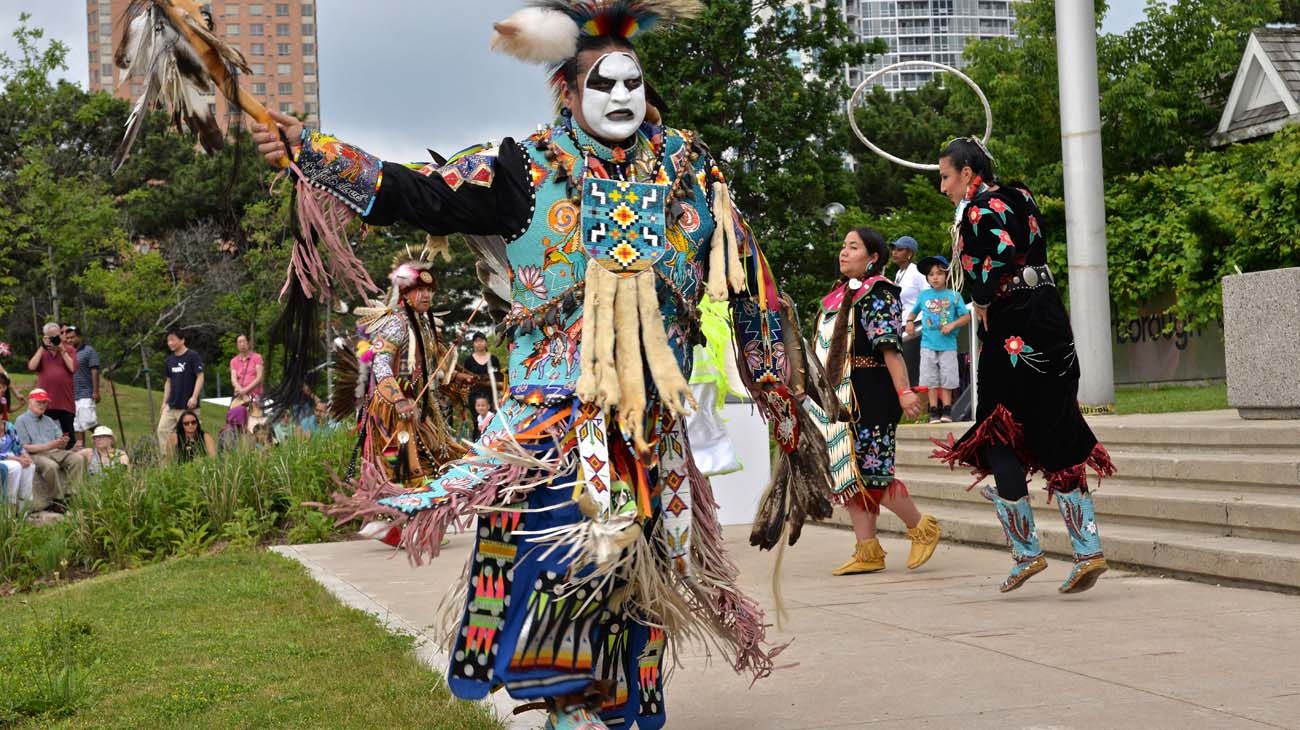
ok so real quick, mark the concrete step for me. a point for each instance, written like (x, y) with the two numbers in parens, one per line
(1217, 468)
(1261, 562)
(1269, 515)
(1220, 431)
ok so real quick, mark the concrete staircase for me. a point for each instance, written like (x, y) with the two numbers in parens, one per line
(1203, 494)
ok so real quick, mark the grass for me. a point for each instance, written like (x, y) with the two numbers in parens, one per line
(1172, 399)
(134, 402)
(240, 639)
(129, 518)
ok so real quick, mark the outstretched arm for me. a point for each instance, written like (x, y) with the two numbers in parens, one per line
(485, 193)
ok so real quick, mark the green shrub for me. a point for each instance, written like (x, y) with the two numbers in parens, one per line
(129, 517)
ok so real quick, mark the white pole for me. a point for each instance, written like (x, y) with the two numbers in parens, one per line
(1085, 201)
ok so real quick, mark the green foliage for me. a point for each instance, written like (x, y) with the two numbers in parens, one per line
(127, 518)
(1182, 228)
(240, 639)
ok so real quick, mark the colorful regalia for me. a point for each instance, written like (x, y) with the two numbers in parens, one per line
(397, 361)
(862, 448)
(1028, 380)
(598, 545)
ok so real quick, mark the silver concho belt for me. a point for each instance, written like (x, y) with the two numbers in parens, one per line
(1026, 278)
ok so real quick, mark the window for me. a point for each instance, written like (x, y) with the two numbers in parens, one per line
(259, 69)
(137, 89)
(283, 49)
(309, 69)
(309, 49)
(282, 10)
(309, 29)
(232, 28)
(259, 49)
(259, 88)
(256, 29)
(283, 69)
(286, 107)
(106, 70)
(106, 30)
(255, 9)
(286, 88)
(309, 107)
(232, 10)
(309, 88)
(308, 10)
(282, 29)
(94, 38)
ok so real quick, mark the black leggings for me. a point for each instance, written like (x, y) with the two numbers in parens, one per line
(1008, 472)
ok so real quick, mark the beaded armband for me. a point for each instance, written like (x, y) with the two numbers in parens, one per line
(348, 173)
(390, 391)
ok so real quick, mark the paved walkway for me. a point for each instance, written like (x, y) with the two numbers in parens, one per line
(939, 647)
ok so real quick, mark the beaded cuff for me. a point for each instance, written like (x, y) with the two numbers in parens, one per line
(348, 173)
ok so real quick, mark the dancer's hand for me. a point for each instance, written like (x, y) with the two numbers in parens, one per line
(981, 314)
(268, 139)
(911, 328)
(405, 408)
(910, 402)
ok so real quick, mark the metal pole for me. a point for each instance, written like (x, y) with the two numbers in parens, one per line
(1085, 201)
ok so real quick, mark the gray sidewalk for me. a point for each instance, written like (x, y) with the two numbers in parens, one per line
(939, 647)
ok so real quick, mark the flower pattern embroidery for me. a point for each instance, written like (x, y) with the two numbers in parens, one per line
(531, 280)
(974, 217)
(875, 454)
(968, 263)
(1034, 230)
(1004, 239)
(1020, 351)
(999, 207)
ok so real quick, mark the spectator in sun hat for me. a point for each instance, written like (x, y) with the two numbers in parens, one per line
(104, 454)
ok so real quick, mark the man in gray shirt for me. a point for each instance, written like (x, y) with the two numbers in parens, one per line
(58, 468)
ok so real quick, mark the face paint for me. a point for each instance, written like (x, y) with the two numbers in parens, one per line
(613, 97)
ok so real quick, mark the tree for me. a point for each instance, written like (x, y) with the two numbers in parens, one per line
(763, 84)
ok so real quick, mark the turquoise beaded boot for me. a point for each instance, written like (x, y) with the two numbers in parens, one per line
(1081, 522)
(1017, 520)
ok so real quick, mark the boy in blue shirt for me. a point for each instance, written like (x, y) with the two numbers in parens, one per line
(942, 312)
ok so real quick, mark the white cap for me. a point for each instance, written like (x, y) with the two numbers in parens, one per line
(101, 431)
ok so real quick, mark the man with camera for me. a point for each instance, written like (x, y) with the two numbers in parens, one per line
(54, 363)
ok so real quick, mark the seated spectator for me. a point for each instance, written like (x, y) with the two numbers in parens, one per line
(235, 432)
(189, 441)
(104, 454)
(262, 435)
(18, 468)
(7, 397)
(58, 469)
(318, 420)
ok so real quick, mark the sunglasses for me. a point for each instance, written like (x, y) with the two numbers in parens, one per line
(189, 423)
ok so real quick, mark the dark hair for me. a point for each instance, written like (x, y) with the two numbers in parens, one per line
(4, 378)
(185, 451)
(569, 69)
(176, 332)
(478, 336)
(965, 152)
(874, 243)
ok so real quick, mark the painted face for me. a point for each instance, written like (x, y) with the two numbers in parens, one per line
(613, 97)
(420, 299)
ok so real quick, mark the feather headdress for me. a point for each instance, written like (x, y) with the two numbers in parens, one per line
(554, 31)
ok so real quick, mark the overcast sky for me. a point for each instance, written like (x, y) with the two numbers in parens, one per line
(396, 76)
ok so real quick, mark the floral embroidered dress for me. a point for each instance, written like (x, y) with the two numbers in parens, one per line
(862, 451)
(1028, 369)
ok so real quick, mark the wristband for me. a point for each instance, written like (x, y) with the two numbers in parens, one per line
(904, 392)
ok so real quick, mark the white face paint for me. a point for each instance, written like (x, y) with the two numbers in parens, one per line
(613, 97)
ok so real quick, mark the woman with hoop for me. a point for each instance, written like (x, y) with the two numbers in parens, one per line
(1028, 418)
(858, 337)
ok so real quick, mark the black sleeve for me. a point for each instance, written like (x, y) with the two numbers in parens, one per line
(477, 194)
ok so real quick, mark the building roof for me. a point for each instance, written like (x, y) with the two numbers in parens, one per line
(1266, 93)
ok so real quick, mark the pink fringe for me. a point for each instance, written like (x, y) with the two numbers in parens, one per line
(320, 213)
(1076, 477)
(735, 616)
(999, 428)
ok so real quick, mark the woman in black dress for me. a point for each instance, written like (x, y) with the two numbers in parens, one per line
(858, 341)
(486, 371)
(1028, 419)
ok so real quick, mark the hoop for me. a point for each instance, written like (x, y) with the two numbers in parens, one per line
(857, 93)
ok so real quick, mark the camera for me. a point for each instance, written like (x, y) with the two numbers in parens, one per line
(53, 341)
